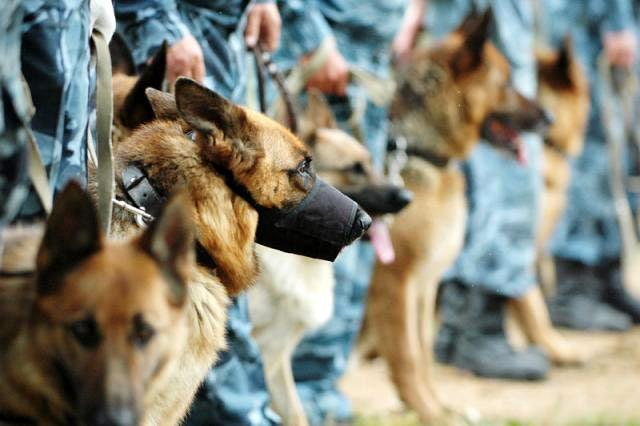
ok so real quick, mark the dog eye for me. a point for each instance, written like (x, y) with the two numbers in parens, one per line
(358, 168)
(143, 332)
(304, 167)
(86, 332)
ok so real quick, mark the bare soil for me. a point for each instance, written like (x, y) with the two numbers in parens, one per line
(605, 391)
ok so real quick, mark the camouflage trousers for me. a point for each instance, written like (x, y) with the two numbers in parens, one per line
(55, 62)
(15, 112)
(321, 358)
(499, 249)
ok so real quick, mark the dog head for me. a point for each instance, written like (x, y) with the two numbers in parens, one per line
(131, 108)
(564, 90)
(459, 89)
(345, 163)
(111, 317)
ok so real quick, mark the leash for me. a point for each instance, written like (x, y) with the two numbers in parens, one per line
(265, 65)
(104, 119)
(616, 143)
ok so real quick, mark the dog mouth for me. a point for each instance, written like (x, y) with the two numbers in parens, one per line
(499, 132)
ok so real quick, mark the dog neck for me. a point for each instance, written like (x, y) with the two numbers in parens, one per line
(225, 223)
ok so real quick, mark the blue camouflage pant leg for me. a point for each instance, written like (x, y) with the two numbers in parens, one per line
(499, 249)
(234, 392)
(55, 62)
(588, 231)
(321, 358)
(15, 112)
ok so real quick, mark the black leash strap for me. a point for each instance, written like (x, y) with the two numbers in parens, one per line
(265, 66)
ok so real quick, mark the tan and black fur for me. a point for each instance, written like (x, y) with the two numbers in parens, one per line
(294, 294)
(199, 141)
(97, 326)
(444, 99)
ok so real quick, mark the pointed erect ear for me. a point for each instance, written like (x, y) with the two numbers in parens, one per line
(163, 104)
(206, 110)
(121, 57)
(73, 233)
(318, 111)
(169, 241)
(470, 21)
(470, 54)
(565, 56)
(136, 109)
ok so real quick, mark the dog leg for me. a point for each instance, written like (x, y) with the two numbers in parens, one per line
(428, 291)
(531, 312)
(277, 341)
(394, 316)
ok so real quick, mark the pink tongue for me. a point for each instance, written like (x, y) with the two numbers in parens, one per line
(522, 153)
(381, 241)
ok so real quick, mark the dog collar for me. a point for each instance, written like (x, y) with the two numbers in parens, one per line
(144, 196)
(555, 148)
(429, 156)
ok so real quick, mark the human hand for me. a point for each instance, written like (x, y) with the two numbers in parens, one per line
(405, 39)
(263, 26)
(185, 58)
(333, 75)
(103, 17)
(620, 48)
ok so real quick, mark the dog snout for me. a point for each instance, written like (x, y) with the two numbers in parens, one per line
(400, 198)
(361, 224)
(547, 117)
(116, 415)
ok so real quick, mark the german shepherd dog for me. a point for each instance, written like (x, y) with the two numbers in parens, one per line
(294, 294)
(564, 90)
(88, 327)
(449, 96)
(222, 154)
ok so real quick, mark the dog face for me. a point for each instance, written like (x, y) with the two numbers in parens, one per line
(263, 156)
(459, 88)
(564, 90)
(111, 317)
(345, 163)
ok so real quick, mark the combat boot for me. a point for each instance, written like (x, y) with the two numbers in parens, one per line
(615, 294)
(474, 338)
(578, 303)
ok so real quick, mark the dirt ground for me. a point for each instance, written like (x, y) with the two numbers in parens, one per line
(606, 391)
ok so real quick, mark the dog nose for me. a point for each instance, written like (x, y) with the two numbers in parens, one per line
(547, 117)
(361, 224)
(116, 416)
(401, 198)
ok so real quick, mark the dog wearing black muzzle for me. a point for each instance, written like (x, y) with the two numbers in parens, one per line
(294, 294)
(249, 180)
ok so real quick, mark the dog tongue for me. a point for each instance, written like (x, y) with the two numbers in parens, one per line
(381, 241)
(522, 152)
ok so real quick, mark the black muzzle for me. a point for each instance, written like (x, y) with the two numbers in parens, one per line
(320, 226)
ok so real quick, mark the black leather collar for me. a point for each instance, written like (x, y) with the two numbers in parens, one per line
(144, 196)
(429, 156)
(555, 148)
(140, 191)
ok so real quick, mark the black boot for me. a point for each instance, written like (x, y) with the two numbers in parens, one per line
(615, 294)
(472, 337)
(578, 304)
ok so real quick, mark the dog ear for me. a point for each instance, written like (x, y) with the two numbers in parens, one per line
(121, 57)
(73, 233)
(471, 54)
(564, 61)
(318, 111)
(170, 241)
(206, 110)
(163, 104)
(136, 109)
